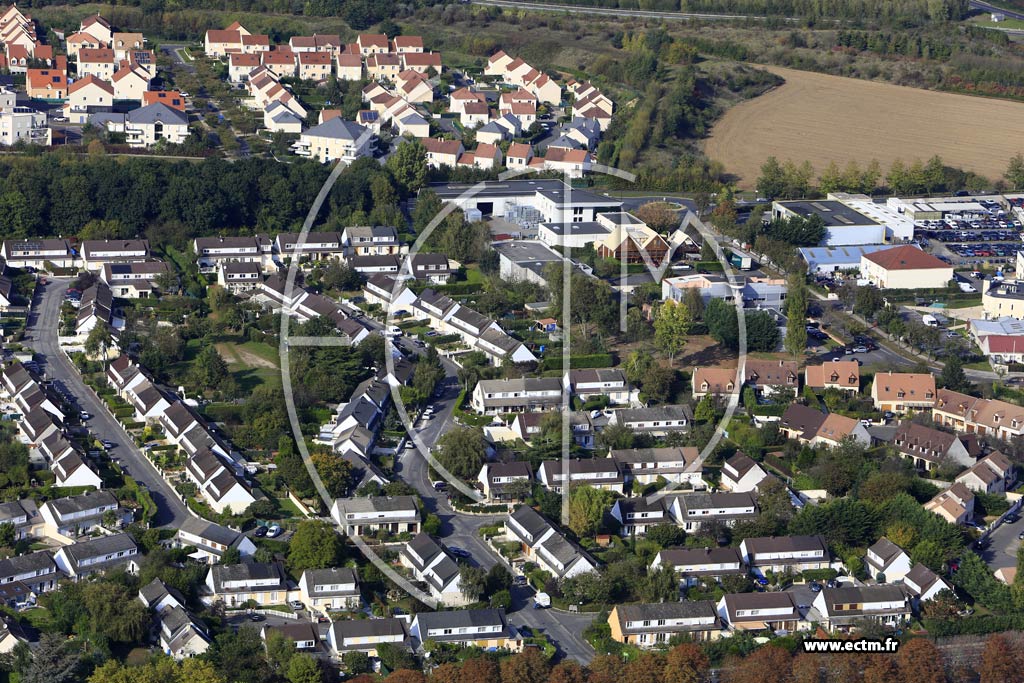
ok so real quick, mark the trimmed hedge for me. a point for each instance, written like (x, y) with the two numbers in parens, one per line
(819, 574)
(977, 624)
(771, 409)
(593, 360)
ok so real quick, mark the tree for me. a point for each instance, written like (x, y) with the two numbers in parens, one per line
(920, 661)
(999, 663)
(762, 332)
(7, 535)
(238, 656)
(1015, 172)
(705, 410)
(658, 216)
(335, 472)
(952, 376)
(671, 325)
(461, 451)
(100, 339)
(720, 317)
(771, 182)
(55, 660)
(472, 581)
(305, 668)
(280, 651)
(394, 657)
(666, 535)
(208, 369)
(528, 666)
(586, 509)
(406, 676)
(686, 663)
(356, 662)
(796, 316)
(479, 669)
(769, 664)
(114, 613)
(567, 671)
(315, 545)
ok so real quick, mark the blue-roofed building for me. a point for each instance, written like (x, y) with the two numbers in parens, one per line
(822, 260)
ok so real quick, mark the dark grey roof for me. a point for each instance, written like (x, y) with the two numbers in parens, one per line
(835, 214)
(81, 503)
(102, 545)
(783, 544)
(463, 618)
(760, 601)
(685, 609)
(158, 112)
(9, 511)
(696, 556)
(37, 563)
(245, 571)
(581, 228)
(331, 575)
(668, 412)
(531, 520)
(209, 530)
(337, 128)
(367, 628)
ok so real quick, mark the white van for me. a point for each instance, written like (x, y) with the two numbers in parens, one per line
(393, 331)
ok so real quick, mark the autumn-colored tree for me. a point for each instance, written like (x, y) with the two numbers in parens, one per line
(880, 669)
(529, 666)
(843, 668)
(920, 661)
(606, 669)
(479, 669)
(445, 673)
(567, 672)
(998, 662)
(406, 676)
(807, 669)
(767, 665)
(649, 668)
(685, 663)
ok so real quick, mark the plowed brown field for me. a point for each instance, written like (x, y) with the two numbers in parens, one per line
(820, 118)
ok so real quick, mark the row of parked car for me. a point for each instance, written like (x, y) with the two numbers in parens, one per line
(1002, 235)
(1004, 250)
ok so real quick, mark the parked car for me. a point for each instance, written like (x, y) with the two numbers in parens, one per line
(860, 349)
(296, 605)
(260, 532)
(459, 552)
(257, 617)
(108, 444)
(815, 587)
(274, 531)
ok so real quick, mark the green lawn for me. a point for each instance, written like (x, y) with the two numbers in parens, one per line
(287, 507)
(980, 365)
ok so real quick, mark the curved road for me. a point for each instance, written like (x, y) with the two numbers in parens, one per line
(41, 331)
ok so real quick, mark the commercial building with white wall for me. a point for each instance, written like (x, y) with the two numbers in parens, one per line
(905, 267)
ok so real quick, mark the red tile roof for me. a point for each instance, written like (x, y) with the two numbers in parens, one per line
(905, 258)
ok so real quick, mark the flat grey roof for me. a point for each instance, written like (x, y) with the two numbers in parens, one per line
(835, 214)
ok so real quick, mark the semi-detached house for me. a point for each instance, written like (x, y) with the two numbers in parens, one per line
(483, 628)
(85, 558)
(432, 565)
(326, 590)
(549, 548)
(785, 553)
(655, 624)
(366, 516)
(494, 396)
(366, 635)
(776, 612)
(35, 570)
(696, 565)
(236, 584)
(971, 415)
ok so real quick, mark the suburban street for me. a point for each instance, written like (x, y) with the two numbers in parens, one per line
(41, 332)
(1002, 550)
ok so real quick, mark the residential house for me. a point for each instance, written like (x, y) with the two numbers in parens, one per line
(994, 473)
(383, 67)
(887, 560)
(16, 513)
(96, 25)
(413, 125)
(371, 240)
(495, 478)
(494, 396)
(645, 466)
(326, 590)
(846, 607)
(239, 277)
(422, 62)
(655, 624)
(99, 62)
(369, 515)
(834, 374)
(970, 415)
(96, 253)
(240, 65)
(740, 473)
(714, 382)
(85, 558)
(350, 67)
(78, 40)
(900, 392)
(86, 96)
(36, 253)
(587, 384)
(172, 98)
(335, 139)
(776, 612)
(432, 565)
(211, 251)
(73, 471)
(656, 421)
(785, 553)
(924, 584)
(955, 504)
(700, 565)
(146, 126)
(434, 268)
(930, 448)
(801, 422)
(131, 82)
(629, 239)
(599, 473)
(133, 280)
(210, 541)
(518, 155)
(37, 571)
(79, 515)
(768, 377)
(542, 543)
(46, 84)
(636, 516)
(366, 635)
(219, 43)
(236, 584)
(483, 628)
(96, 308)
(372, 44)
(692, 511)
(282, 62)
(442, 152)
(836, 429)
(315, 66)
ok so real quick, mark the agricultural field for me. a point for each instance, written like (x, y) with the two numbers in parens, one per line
(821, 118)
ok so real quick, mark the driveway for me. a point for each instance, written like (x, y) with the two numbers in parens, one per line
(1002, 551)
(41, 335)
